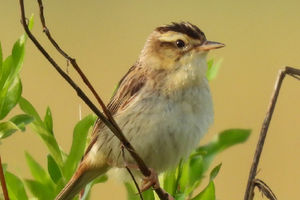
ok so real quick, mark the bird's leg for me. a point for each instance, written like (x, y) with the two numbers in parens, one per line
(148, 182)
(152, 181)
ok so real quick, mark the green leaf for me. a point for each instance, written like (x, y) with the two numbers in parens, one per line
(78, 145)
(29, 109)
(169, 181)
(212, 69)
(223, 141)
(39, 174)
(199, 162)
(15, 187)
(148, 194)
(11, 98)
(195, 169)
(7, 128)
(5, 71)
(53, 169)
(131, 192)
(22, 120)
(208, 193)
(184, 176)
(36, 169)
(101, 179)
(180, 196)
(50, 142)
(40, 190)
(18, 51)
(48, 120)
(10, 88)
(10, 84)
(4, 167)
(40, 128)
(215, 172)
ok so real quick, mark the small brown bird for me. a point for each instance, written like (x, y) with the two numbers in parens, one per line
(163, 106)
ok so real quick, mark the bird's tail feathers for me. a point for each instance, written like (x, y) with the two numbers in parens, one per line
(82, 176)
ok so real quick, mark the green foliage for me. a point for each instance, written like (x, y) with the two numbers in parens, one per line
(78, 145)
(15, 187)
(42, 130)
(212, 69)
(11, 87)
(10, 84)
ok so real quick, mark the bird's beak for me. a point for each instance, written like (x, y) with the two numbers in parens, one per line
(208, 45)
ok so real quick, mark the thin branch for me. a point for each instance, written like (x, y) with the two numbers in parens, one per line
(109, 122)
(131, 174)
(249, 193)
(74, 64)
(264, 189)
(3, 182)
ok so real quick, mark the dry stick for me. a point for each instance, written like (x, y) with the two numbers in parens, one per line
(73, 62)
(131, 174)
(3, 182)
(142, 166)
(76, 66)
(265, 189)
(249, 193)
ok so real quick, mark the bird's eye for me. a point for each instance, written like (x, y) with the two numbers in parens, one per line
(180, 44)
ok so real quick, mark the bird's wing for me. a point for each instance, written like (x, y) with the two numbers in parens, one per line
(128, 88)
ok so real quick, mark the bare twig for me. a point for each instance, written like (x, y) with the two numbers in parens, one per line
(264, 189)
(74, 64)
(131, 174)
(249, 193)
(109, 122)
(3, 182)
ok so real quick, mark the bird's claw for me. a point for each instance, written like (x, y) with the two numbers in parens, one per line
(150, 181)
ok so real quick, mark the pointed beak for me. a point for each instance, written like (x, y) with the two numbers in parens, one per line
(208, 45)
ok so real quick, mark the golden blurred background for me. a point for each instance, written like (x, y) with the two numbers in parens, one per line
(106, 37)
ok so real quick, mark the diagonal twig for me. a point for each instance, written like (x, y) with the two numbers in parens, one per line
(131, 174)
(264, 189)
(3, 182)
(107, 121)
(73, 62)
(249, 193)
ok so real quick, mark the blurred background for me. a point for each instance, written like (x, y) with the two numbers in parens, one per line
(106, 37)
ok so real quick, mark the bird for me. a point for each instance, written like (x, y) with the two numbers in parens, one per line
(163, 105)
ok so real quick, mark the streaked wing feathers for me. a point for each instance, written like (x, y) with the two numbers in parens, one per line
(128, 88)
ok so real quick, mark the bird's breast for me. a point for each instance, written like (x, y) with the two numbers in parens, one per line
(164, 129)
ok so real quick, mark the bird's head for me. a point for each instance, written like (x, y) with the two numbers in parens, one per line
(175, 45)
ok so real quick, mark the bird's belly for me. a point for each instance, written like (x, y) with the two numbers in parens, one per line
(163, 131)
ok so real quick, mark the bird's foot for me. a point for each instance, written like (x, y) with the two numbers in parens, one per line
(150, 181)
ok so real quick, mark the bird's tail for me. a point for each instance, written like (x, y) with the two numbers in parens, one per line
(82, 176)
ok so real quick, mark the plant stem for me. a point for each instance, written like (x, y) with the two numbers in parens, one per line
(3, 182)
